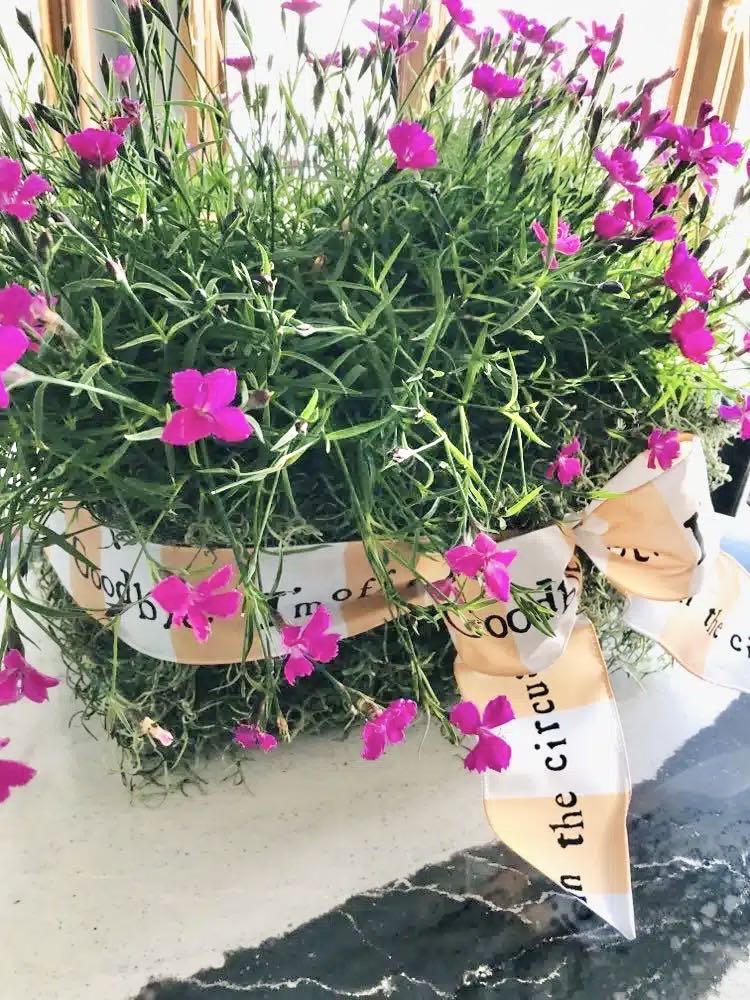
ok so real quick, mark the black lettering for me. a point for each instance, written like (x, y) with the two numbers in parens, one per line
(639, 557)
(342, 590)
(512, 624)
(107, 583)
(567, 595)
(309, 607)
(273, 599)
(82, 567)
(572, 883)
(145, 605)
(737, 649)
(490, 628)
(538, 690)
(566, 805)
(543, 729)
(366, 587)
(563, 762)
(548, 596)
(96, 578)
(122, 589)
(564, 841)
(692, 525)
(567, 823)
(544, 711)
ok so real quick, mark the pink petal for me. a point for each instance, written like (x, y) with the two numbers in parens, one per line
(643, 205)
(13, 345)
(609, 226)
(34, 186)
(267, 742)
(186, 427)
(373, 740)
(187, 388)
(538, 230)
(465, 716)
(484, 544)
(10, 689)
(476, 759)
(22, 210)
(324, 648)
(199, 623)
(221, 388)
(13, 774)
(664, 228)
(496, 751)
(497, 581)
(4, 396)
(218, 579)
(465, 559)
(10, 174)
(231, 424)
(173, 595)
(318, 624)
(290, 635)
(35, 685)
(296, 666)
(498, 712)
(222, 605)
(730, 412)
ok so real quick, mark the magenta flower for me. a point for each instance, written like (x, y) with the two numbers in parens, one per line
(654, 124)
(197, 605)
(122, 67)
(18, 679)
(664, 448)
(595, 32)
(206, 408)
(496, 85)
(746, 343)
(13, 774)
(692, 335)
(241, 63)
(131, 116)
(414, 146)
(16, 195)
(460, 13)
(484, 557)
(19, 308)
(251, 736)
(301, 7)
(741, 413)
(567, 243)
(567, 466)
(327, 61)
(692, 147)
(95, 147)
(685, 276)
(668, 195)
(13, 345)
(531, 29)
(308, 643)
(621, 166)
(387, 728)
(599, 56)
(411, 21)
(635, 215)
(491, 753)
(156, 732)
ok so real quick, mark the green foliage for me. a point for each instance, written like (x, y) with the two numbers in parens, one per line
(407, 314)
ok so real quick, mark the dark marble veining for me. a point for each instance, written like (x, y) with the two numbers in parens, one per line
(484, 925)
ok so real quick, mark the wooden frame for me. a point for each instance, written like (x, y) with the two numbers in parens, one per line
(204, 35)
(713, 59)
(55, 16)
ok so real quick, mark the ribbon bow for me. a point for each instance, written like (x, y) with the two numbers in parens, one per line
(563, 803)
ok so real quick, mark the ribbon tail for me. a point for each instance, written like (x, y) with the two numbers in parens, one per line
(562, 805)
(709, 633)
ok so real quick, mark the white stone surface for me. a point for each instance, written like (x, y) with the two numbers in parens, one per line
(100, 893)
